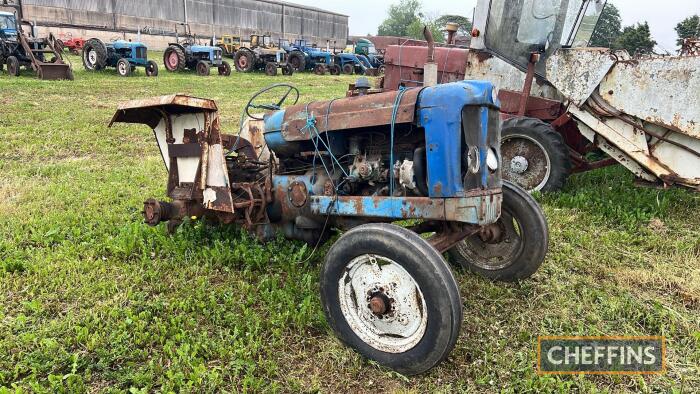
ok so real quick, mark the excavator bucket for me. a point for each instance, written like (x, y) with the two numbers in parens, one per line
(53, 71)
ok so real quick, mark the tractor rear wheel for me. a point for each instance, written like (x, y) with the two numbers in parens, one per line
(94, 55)
(287, 69)
(348, 68)
(297, 60)
(514, 247)
(174, 58)
(123, 67)
(271, 69)
(244, 60)
(13, 66)
(534, 155)
(225, 69)
(334, 69)
(320, 69)
(388, 294)
(203, 68)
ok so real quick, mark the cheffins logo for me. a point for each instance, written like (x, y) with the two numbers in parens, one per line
(601, 355)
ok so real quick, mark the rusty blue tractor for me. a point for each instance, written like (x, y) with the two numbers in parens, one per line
(405, 175)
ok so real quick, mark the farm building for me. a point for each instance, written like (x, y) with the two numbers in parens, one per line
(158, 20)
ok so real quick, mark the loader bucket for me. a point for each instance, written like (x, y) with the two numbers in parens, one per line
(54, 71)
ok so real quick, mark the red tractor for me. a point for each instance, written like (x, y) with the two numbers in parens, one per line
(74, 45)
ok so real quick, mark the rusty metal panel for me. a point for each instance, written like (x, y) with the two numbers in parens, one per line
(348, 113)
(482, 210)
(404, 65)
(576, 73)
(663, 91)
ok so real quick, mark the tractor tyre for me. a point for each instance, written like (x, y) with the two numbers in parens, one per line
(320, 69)
(224, 69)
(2, 64)
(13, 66)
(271, 69)
(203, 68)
(151, 69)
(534, 155)
(287, 69)
(244, 61)
(514, 247)
(297, 60)
(334, 69)
(123, 67)
(94, 55)
(74, 51)
(389, 295)
(348, 68)
(174, 59)
(381, 70)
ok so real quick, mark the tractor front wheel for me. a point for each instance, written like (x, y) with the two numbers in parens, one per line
(271, 69)
(534, 155)
(203, 68)
(151, 69)
(123, 67)
(348, 68)
(319, 69)
(225, 69)
(13, 66)
(334, 69)
(287, 69)
(244, 61)
(388, 294)
(174, 59)
(514, 247)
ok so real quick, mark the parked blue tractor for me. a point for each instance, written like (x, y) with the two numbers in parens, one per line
(428, 155)
(186, 54)
(125, 56)
(351, 63)
(314, 59)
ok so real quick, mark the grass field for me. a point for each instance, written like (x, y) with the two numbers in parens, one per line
(93, 300)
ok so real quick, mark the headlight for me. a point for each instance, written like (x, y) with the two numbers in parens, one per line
(492, 160)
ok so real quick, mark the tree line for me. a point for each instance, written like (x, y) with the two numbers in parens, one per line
(407, 19)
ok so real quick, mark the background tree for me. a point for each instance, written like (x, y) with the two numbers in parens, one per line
(406, 19)
(609, 27)
(688, 28)
(399, 18)
(465, 25)
(636, 39)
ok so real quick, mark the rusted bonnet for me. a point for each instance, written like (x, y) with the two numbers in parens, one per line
(149, 111)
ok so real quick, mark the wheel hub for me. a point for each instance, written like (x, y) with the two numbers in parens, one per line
(382, 304)
(92, 56)
(518, 164)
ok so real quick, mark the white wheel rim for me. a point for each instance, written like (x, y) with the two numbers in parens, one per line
(122, 68)
(521, 164)
(92, 57)
(369, 278)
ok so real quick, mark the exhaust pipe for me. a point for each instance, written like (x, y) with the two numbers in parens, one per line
(430, 70)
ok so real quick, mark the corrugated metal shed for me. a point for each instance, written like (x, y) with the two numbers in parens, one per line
(280, 19)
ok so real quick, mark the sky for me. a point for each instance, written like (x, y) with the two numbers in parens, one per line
(367, 15)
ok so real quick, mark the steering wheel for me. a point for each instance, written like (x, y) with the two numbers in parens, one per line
(288, 89)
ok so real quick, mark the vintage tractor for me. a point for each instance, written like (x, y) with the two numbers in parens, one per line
(229, 44)
(186, 54)
(351, 63)
(425, 157)
(263, 54)
(19, 49)
(315, 60)
(72, 44)
(562, 102)
(366, 48)
(125, 56)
